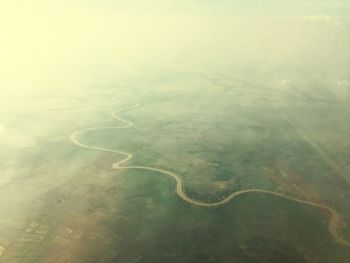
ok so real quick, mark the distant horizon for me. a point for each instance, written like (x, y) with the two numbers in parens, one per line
(325, 7)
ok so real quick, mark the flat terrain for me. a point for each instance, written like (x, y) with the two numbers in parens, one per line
(235, 162)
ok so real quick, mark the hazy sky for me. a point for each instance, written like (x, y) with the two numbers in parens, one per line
(66, 44)
(193, 6)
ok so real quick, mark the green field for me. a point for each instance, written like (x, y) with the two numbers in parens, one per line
(232, 146)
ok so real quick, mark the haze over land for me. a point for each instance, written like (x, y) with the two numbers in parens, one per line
(236, 116)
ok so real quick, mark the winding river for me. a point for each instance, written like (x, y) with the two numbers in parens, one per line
(335, 222)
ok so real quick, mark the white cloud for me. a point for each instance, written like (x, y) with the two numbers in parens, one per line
(342, 89)
(15, 138)
(343, 83)
(285, 82)
(328, 20)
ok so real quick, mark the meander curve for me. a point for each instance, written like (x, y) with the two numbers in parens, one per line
(334, 223)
